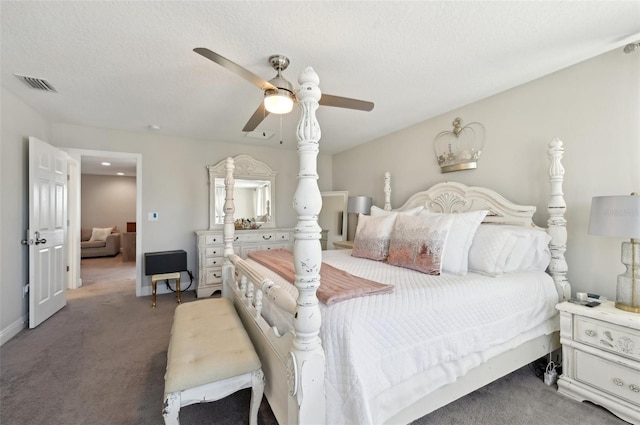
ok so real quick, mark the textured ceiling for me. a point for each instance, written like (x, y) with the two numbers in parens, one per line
(127, 65)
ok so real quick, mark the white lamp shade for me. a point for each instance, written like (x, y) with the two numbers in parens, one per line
(615, 216)
(359, 204)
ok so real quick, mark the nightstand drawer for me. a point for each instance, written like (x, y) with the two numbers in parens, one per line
(613, 378)
(608, 337)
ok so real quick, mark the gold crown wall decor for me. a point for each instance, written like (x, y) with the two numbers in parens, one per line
(459, 149)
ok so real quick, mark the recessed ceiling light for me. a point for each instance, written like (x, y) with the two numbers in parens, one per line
(120, 174)
(106, 164)
(154, 127)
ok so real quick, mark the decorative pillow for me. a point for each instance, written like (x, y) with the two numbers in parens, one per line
(455, 259)
(497, 249)
(530, 252)
(377, 211)
(490, 248)
(372, 237)
(417, 242)
(100, 233)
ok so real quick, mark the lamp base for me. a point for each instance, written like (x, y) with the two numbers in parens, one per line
(628, 289)
(629, 308)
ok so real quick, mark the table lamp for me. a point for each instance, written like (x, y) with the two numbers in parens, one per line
(619, 216)
(359, 205)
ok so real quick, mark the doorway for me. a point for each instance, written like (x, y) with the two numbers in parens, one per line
(91, 164)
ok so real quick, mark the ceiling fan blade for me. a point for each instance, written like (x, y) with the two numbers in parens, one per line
(234, 67)
(257, 117)
(345, 102)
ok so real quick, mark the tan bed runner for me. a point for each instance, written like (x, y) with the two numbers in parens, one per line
(335, 284)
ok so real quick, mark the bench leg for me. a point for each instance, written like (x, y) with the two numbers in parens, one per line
(153, 293)
(171, 409)
(257, 389)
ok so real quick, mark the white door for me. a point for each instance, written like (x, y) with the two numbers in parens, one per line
(46, 235)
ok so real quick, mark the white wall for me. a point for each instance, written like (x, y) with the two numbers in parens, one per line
(593, 107)
(174, 180)
(19, 122)
(108, 201)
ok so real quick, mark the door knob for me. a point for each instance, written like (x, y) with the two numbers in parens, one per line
(38, 239)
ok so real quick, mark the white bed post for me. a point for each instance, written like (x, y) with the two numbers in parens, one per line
(387, 191)
(557, 224)
(306, 359)
(229, 227)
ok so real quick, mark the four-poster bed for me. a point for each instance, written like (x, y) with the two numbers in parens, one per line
(344, 363)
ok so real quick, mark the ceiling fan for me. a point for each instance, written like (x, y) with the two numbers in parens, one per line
(278, 92)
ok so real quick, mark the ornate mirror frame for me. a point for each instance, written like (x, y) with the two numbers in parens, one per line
(246, 168)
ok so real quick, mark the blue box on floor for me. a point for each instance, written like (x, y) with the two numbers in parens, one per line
(165, 262)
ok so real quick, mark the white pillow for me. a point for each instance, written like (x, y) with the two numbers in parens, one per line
(456, 255)
(497, 249)
(372, 237)
(530, 252)
(100, 233)
(377, 211)
(490, 248)
(417, 242)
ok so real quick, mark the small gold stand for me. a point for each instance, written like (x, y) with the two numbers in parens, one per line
(164, 276)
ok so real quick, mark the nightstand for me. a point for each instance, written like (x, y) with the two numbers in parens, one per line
(601, 357)
(343, 245)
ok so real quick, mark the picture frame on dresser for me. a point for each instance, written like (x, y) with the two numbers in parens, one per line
(601, 357)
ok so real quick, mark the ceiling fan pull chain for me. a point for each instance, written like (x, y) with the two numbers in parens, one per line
(280, 129)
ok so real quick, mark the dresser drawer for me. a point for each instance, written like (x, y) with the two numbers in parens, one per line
(276, 246)
(613, 378)
(283, 236)
(213, 251)
(608, 337)
(213, 239)
(254, 237)
(214, 275)
(213, 262)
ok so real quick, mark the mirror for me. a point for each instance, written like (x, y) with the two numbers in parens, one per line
(252, 199)
(333, 216)
(253, 194)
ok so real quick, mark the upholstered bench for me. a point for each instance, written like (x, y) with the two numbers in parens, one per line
(210, 356)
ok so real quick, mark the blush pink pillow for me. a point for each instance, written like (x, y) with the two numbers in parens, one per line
(417, 242)
(372, 237)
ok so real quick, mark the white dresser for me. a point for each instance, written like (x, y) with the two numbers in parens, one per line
(211, 246)
(601, 357)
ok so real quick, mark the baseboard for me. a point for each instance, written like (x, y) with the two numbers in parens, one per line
(12, 330)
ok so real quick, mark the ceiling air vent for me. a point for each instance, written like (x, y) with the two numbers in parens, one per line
(36, 83)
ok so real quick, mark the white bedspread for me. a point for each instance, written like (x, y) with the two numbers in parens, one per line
(432, 328)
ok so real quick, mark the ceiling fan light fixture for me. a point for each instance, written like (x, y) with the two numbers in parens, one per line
(278, 101)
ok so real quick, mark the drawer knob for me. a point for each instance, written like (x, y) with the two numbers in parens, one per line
(634, 388)
(590, 332)
(618, 382)
(266, 238)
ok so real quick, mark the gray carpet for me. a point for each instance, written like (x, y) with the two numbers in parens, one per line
(101, 360)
